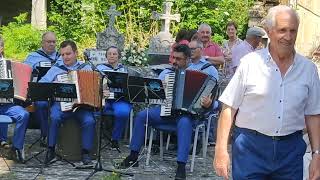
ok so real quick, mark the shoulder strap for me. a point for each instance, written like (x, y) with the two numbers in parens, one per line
(42, 53)
(206, 66)
(82, 66)
(61, 67)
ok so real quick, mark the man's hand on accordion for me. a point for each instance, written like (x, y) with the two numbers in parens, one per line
(106, 93)
(206, 101)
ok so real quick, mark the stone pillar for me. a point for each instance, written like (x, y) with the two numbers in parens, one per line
(39, 14)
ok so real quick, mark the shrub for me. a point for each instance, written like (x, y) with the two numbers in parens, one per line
(20, 38)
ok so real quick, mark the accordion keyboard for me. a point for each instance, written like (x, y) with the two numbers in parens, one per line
(68, 103)
(169, 81)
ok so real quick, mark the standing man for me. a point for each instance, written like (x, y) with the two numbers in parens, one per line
(69, 53)
(274, 94)
(47, 54)
(252, 41)
(211, 51)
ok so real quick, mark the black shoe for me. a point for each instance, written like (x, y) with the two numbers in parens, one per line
(50, 156)
(43, 142)
(16, 155)
(180, 174)
(114, 144)
(86, 160)
(129, 162)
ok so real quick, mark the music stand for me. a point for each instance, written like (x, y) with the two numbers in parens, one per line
(41, 71)
(148, 91)
(98, 167)
(50, 92)
(6, 91)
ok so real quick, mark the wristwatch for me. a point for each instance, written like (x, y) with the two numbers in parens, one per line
(316, 152)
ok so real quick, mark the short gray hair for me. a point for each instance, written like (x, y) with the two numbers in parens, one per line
(270, 20)
(46, 33)
(204, 25)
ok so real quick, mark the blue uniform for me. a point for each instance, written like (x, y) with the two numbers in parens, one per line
(184, 123)
(19, 116)
(57, 116)
(33, 60)
(121, 108)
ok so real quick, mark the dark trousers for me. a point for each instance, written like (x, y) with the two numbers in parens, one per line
(256, 156)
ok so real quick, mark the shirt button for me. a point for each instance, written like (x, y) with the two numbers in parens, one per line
(277, 131)
(276, 69)
(278, 117)
(280, 101)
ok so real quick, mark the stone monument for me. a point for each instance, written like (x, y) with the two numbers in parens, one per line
(107, 38)
(159, 47)
(110, 37)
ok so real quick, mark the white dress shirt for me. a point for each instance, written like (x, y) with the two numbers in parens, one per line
(268, 103)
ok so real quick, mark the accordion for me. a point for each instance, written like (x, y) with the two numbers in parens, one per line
(184, 90)
(87, 89)
(20, 74)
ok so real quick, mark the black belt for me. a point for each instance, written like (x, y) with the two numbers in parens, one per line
(277, 138)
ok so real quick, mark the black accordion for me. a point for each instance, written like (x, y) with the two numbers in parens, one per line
(184, 90)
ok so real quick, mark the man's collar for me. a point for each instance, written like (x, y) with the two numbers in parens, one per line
(201, 60)
(269, 57)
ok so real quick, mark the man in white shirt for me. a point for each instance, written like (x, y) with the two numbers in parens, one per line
(274, 94)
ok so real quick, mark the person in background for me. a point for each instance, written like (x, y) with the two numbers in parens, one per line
(120, 107)
(211, 51)
(47, 53)
(227, 45)
(181, 38)
(250, 44)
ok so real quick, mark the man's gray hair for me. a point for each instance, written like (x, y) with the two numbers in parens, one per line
(270, 19)
(204, 25)
(48, 32)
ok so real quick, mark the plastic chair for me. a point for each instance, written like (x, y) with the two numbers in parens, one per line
(172, 128)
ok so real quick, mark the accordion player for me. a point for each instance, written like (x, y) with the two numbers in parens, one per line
(20, 74)
(184, 89)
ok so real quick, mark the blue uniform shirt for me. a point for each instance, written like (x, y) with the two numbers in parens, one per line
(108, 67)
(35, 58)
(61, 68)
(212, 71)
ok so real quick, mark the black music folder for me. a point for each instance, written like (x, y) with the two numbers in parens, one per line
(141, 90)
(53, 91)
(6, 88)
(41, 71)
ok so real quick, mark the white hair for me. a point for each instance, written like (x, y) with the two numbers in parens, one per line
(204, 25)
(270, 20)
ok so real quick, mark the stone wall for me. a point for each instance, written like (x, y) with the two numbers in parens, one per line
(12, 8)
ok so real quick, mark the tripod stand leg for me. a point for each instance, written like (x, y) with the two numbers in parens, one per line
(149, 148)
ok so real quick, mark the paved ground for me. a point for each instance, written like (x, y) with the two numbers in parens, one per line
(61, 170)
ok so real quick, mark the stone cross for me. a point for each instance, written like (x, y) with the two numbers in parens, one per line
(112, 13)
(167, 17)
(39, 14)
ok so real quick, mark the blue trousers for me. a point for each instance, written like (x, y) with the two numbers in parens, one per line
(259, 157)
(121, 111)
(85, 117)
(19, 116)
(3, 132)
(41, 114)
(184, 126)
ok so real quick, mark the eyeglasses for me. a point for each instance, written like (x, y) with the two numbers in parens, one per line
(50, 42)
(193, 49)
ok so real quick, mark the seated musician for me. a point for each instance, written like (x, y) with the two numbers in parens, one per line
(183, 122)
(121, 108)
(47, 53)
(20, 116)
(68, 50)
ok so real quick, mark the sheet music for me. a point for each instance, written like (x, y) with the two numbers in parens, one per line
(65, 106)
